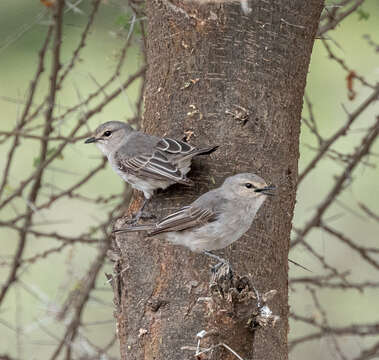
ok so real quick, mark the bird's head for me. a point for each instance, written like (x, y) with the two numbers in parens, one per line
(248, 187)
(110, 135)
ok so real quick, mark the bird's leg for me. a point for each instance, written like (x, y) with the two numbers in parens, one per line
(220, 260)
(139, 214)
(142, 208)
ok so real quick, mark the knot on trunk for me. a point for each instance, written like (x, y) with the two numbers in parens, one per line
(234, 298)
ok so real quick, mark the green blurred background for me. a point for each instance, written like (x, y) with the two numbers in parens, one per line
(22, 30)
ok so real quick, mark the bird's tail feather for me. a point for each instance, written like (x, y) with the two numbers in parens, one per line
(133, 228)
(203, 151)
(185, 181)
(207, 151)
(185, 162)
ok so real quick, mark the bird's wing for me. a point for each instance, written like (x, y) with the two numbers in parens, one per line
(186, 218)
(178, 151)
(154, 166)
(176, 147)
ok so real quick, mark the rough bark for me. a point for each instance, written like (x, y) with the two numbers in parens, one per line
(238, 81)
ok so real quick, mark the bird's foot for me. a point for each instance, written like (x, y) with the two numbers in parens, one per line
(217, 267)
(140, 215)
(223, 265)
(147, 216)
(131, 222)
(222, 270)
(134, 220)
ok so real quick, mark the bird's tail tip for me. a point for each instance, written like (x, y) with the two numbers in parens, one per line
(186, 181)
(208, 150)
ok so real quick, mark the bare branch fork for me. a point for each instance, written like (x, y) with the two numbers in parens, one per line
(25, 200)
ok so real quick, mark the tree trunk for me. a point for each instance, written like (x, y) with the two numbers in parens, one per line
(221, 77)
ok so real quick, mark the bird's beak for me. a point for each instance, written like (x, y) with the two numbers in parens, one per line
(90, 140)
(267, 190)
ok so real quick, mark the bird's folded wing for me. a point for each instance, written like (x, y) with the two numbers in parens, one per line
(154, 166)
(186, 218)
(174, 146)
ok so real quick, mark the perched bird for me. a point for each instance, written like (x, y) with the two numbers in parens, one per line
(146, 162)
(216, 219)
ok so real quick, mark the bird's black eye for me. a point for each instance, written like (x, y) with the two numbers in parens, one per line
(107, 133)
(249, 185)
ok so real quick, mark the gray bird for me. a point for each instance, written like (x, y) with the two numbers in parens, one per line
(216, 219)
(144, 161)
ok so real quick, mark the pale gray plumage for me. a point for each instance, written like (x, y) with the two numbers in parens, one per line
(146, 162)
(216, 219)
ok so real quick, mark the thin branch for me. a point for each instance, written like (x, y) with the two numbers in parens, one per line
(80, 123)
(58, 13)
(326, 144)
(89, 285)
(28, 104)
(364, 149)
(330, 25)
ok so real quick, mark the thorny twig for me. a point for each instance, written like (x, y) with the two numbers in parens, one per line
(33, 195)
(331, 277)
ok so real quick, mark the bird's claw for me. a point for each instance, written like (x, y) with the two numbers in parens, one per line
(216, 267)
(222, 265)
(132, 221)
(140, 215)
